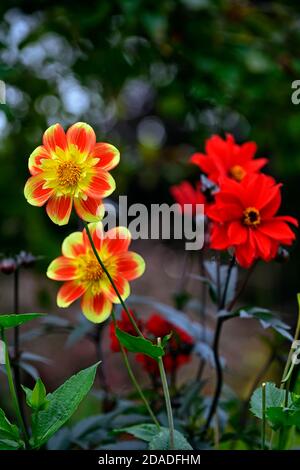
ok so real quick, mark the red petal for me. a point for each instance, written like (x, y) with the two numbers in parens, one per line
(55, 137)
(83, 136)
(69, 292)
(59, 209)
(34, 192)
(109, 156)
(62, 269)
(96, 308)
(90, 209)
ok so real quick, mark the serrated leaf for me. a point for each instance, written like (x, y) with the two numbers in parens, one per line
(274, 398)
(162, 441)
(12, 320)
(7, 429)
(63, 402)
(158, 439)
(139, 345)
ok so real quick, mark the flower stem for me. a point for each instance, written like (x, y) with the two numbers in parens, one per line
(167, 397)
(263, 423)
(133, 379)
(13, 391)
(16, 350)
(131, 319)
(220, 321)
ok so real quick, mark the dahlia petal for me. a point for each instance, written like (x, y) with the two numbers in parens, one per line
(218, 237)
(63, 269)
(244, 255)
(264, 244)
(82, 136)
(96, 308)
(129, 264)
(69, 292)
(97, 233)
(121, 284)
(55, 137)
(73, 245)
(277, 230)
(247, 151)
(101, 185)
(109, 156)
(59, 209)
(289, 219)
(34, 192)
(237, 233)
(90, 209)
(117, 240)
(204, 162)
(255, 165)
(36, 158)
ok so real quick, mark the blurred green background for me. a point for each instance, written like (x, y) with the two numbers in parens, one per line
(155, 79)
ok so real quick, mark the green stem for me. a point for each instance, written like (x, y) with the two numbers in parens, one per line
(131, 319)
(13, 391)
(133, 379)
(167, 397)
(263, 425)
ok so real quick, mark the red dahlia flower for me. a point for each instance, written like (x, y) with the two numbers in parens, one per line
(225, 158)
(69, 168)
(184, 193)
(178, 349)
(244, 216)
(84, 277)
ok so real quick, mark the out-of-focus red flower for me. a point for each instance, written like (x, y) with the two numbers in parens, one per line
(188, 197)
(178, 349)
(225, 158)
(125, 325)
(244, 216)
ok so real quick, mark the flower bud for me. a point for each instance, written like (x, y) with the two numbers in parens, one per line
(282, 256)
(8, 265)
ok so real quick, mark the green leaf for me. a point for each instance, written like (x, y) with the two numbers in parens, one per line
(36, 398)
(166, 338)
(158, 439)
(7, 429)
(62, 404)
(145, 432)
(12, 320)
(267, 319)
(7, 444)
(274, 398)
(138, 344)
(283, 417)
(162, 441)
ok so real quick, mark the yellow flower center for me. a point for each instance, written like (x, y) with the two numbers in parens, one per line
(251, 217)
(92, 271)
(237, 172)
(68, 173)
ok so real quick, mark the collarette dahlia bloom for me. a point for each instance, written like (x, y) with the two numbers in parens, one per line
(85, 278)
(71, 168)
(244, 218)
(225, 158)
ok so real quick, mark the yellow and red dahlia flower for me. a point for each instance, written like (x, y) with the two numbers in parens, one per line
(71, 168)
(85, 278)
